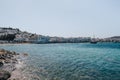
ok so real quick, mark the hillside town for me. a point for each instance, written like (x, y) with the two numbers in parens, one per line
(14, 35)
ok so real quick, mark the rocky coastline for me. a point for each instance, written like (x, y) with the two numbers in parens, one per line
(9, 61)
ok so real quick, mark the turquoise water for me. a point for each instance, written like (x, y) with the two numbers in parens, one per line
(76, 61)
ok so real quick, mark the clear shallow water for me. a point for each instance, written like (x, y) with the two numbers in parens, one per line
(75, 61)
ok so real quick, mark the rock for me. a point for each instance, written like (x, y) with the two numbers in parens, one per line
(14, 61)
(25, 54)
(17, 54)
(4, 75)
(7, 61)
(1, 64)
(2, 50)
(14, 53)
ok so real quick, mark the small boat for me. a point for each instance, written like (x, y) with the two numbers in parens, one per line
(93, 42)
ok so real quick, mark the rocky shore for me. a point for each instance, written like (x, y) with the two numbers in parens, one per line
(9, 65)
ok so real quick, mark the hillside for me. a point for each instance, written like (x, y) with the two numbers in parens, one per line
(14, 35)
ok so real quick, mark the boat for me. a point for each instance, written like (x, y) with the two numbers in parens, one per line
(93, 41)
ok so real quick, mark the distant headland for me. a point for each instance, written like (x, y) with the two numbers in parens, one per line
(15, 35)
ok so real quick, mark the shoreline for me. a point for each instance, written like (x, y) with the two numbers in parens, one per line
(11, 64)
(17, 73)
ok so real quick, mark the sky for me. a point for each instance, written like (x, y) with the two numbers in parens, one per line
(64, 18)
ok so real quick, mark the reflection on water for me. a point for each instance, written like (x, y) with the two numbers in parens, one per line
(71, 61)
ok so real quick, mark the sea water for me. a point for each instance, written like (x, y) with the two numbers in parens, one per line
(70, 61)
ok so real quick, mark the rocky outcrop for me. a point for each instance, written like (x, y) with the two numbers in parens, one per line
(4, 75)
(7, 63)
